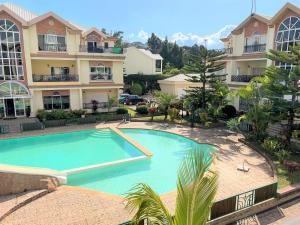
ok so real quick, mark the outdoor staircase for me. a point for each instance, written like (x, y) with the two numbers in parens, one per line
(14, 125)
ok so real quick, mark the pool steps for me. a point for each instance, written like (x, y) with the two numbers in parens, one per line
(133, 142)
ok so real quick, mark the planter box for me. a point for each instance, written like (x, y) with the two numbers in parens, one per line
(54, 123)
(31, 126)
(87, 120)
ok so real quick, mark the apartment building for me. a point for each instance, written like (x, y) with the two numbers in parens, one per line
(248, 43)
(142, 61)
(49, 63)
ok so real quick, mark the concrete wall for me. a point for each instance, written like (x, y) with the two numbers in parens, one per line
(12, 183)
(177, 88)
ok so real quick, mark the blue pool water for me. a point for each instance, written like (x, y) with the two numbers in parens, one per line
(159, 172)
(68, 150)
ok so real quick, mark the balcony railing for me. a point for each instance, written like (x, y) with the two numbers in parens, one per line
(114, 50)
(255, 48)
(100, 105)
(53, 47)
(101, 77)
(242, 78)
(55, 78)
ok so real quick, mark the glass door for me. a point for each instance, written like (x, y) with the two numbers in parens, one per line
(19, 107)
(2, 108)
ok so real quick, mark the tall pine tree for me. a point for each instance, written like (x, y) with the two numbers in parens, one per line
(202, 69)
(282, 85)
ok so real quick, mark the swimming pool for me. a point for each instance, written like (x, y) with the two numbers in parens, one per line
(159, 171)
(67, 151)
(73, 150)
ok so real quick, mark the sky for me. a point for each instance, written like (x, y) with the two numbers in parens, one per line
(185, 21)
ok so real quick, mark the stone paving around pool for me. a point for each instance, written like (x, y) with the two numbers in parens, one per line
(75, 205)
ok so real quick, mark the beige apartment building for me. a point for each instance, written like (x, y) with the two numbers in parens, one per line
(249, 42)
(142, 61)
(50, 63)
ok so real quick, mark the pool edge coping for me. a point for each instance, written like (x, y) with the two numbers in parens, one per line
(132, 141)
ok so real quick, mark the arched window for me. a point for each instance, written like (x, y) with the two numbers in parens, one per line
(11, 67)
(288, 35)
(13, 89)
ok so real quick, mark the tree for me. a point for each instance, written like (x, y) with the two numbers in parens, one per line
(281, 85)
(218, 99)
(110, 102)
(196, 190)
(164, 101)
(136, 89)
(202, 69)
(257, 112)
(154, 43)
(119, 36)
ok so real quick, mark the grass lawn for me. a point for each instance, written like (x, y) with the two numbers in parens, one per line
(284, 177)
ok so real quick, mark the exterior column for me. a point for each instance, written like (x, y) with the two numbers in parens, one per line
(80, 98)
(78, 69)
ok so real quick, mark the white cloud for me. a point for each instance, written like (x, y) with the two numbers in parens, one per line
(213, 40)
(143, 35)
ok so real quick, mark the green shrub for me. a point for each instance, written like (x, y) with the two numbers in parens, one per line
(233, 123)
(122, 111)
(78, 113)
(282, 155)
(296, 134)
(143, 110)
(41, 114)
(272, 145)
(203, 117)
(136, 89)
(173, 113)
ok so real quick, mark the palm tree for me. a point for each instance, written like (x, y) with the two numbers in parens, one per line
(164, 101)
(196, 190)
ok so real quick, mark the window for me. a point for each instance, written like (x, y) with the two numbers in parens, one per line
(158, 65)
(100, 73)
(51, 42)
(56, 101)
(60, 71)
(105, 44)
(288, 35)
(10, 52)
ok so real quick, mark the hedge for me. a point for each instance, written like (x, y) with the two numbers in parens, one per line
(148, 82)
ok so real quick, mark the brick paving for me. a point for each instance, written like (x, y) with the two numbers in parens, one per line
(74, 205)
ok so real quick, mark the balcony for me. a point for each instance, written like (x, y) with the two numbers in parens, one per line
(55, 78)
(255, 48)
(113, 50)
(101, 77)
(242, 78)
(53, 47)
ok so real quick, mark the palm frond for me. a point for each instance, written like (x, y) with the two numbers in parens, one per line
(148, 205)
(197, 187)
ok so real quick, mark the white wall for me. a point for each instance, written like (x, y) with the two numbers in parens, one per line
(137, 62)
